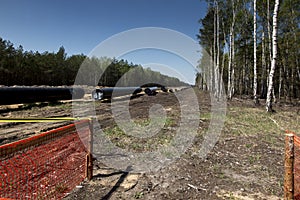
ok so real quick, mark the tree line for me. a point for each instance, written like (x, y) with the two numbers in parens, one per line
(19, 67)
(254, 46)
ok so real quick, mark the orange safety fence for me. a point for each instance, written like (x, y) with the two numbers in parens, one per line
(296, 167)
(46, 166)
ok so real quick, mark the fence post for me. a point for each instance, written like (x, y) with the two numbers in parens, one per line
(89, 170)
(289, 167)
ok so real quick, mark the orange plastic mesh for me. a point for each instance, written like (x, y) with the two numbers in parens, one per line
(46, 166)
(297, 167)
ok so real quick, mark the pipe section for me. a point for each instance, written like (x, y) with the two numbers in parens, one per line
(108, 93)
(151, 91)
(16, 95)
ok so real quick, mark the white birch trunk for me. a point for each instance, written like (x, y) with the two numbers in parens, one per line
(269, 30)
(211, 71)
(231, 55)
(223, 62)
(229, 65)
(214, 52)
(254, 67)
(270, 44)
(232, 89)
(217, 71)
(280, 83)
(274, 57)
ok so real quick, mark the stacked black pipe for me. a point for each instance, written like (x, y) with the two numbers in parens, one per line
(108, 93)
(16, 95)
(151, 91)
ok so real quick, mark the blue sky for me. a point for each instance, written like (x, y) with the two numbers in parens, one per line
(80, 25)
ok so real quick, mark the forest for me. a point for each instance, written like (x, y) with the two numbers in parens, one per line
(19, 67)
(254, 46)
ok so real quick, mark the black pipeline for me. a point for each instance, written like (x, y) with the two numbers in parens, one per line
(16, 95)
(108, 93)
(151, 91)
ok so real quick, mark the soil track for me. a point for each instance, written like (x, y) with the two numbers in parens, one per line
(241, 166)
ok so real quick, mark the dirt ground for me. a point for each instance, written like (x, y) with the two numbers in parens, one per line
(245, 163)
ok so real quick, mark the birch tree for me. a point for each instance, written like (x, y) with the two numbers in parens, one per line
(255, 60)
(217, 51)
(231, 69)
(274, 57)
(245, 41)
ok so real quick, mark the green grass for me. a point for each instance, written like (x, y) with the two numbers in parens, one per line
(157, 120)
(142, 122)
(138, 195)
(114, 131)
(123, 140)
(249, 121)
(205, 116)
(239, 121)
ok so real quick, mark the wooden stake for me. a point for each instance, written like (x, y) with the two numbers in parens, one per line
(89, 157)
(289, 167)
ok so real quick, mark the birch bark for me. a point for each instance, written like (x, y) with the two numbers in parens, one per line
(274, 57)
